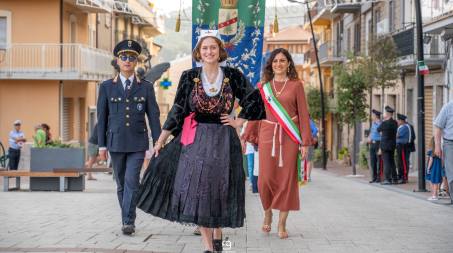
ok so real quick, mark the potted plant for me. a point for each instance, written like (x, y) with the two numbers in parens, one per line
(343, 156)
(52, 156)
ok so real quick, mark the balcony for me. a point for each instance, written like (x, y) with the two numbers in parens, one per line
(141, 14)
(92, 6)
(309, 58)
(298, 59)
(329, 54)
(346, 6)
(320, 13)
(55, 62)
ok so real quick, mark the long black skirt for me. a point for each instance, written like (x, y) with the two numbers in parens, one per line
(202, 183)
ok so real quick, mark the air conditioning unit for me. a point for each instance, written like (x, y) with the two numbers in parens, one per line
(382, 27)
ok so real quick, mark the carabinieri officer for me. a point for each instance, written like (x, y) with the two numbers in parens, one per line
(121, 108)
(375, 142)
(403, 138)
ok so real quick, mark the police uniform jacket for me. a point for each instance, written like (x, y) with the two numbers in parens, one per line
(121, 119)
(388, 130)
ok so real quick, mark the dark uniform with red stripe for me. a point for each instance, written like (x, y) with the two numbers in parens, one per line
(403, 138)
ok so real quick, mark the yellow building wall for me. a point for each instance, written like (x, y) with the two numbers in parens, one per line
(71, 13)
(32, 108)
(83, 95)
(38, 23)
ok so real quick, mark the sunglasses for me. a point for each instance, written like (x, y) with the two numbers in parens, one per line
(130, 58)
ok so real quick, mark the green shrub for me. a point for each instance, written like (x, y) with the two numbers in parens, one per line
(59, 144)
(317, 156)
(363, 156)
(343, 151)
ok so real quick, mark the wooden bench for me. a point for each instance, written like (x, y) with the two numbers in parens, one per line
(22, 173)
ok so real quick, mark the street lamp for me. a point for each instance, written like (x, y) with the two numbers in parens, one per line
(321, 88)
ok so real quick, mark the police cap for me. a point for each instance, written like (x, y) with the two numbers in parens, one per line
(389, 109)
(401, 117)
(129, 46)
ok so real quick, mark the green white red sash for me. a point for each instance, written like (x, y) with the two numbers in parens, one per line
(279, 112)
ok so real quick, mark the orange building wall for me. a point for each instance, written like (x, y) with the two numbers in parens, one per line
(39, 106)
(81, 21)
(38, 23)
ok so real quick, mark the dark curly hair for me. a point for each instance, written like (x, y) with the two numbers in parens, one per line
(268, 73)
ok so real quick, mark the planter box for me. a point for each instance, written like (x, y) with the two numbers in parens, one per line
(47, 159)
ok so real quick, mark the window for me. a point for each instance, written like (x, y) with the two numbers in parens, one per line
(391, 15)
(348, 40)
(5, 28)
(357, 39)
(2, 31)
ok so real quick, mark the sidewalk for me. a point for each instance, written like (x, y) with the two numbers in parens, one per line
(363, 175)
(338, 214)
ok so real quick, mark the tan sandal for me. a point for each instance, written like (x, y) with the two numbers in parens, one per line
(283, 234)
(266, 228)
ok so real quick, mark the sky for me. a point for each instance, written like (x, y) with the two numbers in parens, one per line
(173, 5)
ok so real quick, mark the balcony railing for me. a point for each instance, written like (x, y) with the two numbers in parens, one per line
(93, 6)
(54, 61)
(346, 6)
(320, 11)
(309, 57)
(329, 53)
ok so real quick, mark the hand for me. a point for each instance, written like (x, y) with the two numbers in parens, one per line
(304, 152)
(438, 151)
(157, 147)
(243, 146)
(103, 155)
(229, 121)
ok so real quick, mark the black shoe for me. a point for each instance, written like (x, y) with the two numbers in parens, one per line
(372, 181)
(217, 244)
(128, 229)
(207, 251)
(386, 182)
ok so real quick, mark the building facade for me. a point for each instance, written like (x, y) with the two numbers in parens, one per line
(53, 55)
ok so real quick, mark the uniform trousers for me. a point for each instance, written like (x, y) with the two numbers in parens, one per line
(126, 167)
(388, 157)
(403, 154)
(375, 160)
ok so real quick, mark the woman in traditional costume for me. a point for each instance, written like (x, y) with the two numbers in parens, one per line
(280, 137)
(198, 177)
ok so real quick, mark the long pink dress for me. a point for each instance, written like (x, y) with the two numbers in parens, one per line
(277, 180)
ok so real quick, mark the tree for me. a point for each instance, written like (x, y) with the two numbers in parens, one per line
(351, 91)
(382, 70)
(314, 102)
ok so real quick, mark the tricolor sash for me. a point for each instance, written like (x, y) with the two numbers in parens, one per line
(279, 112)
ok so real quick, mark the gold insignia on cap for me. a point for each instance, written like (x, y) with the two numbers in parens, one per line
(196, 80)
(129, 43)
(226, 80)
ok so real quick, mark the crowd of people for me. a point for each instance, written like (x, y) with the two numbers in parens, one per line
(16, 141)
(388, 137)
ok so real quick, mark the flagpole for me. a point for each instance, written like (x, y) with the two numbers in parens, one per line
(321, 86)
